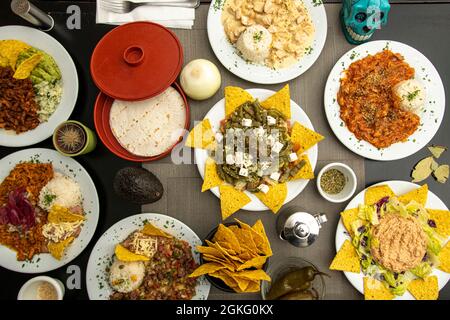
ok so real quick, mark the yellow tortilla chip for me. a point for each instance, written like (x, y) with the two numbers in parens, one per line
(346, 259)
(348, 217)
(376, 193)
(253, 286)
(444, 258)
(280, 101)
(306, 172)
(442, 219)
(304, 138)
(259, 237)
(376, 290)
(253, 275)
(275, 197)
(420, 195)
(235, 97)
(10, 49)
(224, 234)
(58, 214)
(253, 263)
(24, 69)
(245, 240)
(150, 230)
(226, 278)
(57, 249)
(211, 179)
(4, 62)
(425, 289)
(206, 268)
(231, 200)
(202, 136)
(123, 254)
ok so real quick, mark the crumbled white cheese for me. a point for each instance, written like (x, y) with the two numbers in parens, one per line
(271, 121)
(243, 172)
(144, 245)
(260, 173)
(275, 176)
(229, 159)
(277, 147)
(219, 137)
(293, 157)
(246, 122)
(263, 188)
(248, 160)
(239, 158)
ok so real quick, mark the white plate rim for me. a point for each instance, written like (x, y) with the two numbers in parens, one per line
(122, 229)
(435, 105)
(433, 201)
(256, 204)
(45, 262)
(43, 41)
(227, 54)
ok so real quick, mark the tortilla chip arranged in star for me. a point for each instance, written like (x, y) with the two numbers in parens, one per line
(376, 193)
(4, 62)
(419, 195)
(348, 217)
(24, 70)
(424, 289)
(235, 97)
(306, 172)
(275, 197)
(304, 138)
(10, 49)
(231, 200)
(57, 249)
(125, 255)
(212, 178)
(202, 136)
(346, 259)
(58, 214)
(442, 220)
(376, 290)
(444, 258)
(150, 230)
(280, 101)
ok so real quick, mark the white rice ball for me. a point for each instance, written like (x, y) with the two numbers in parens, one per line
(125, 277)
(411, 94)
(254, 43)
(62, 191)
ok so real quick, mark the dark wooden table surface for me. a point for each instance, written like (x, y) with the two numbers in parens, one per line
(423, 26)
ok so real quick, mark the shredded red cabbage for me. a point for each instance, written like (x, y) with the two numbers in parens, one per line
(382, 202)
(18, 211)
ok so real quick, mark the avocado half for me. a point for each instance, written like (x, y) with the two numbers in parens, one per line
(137, 185)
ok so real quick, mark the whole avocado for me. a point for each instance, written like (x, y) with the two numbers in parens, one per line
(137, 185)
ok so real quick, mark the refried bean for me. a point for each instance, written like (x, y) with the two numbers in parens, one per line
(18, 109)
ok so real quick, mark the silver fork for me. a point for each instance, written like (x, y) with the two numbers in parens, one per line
(125, 6)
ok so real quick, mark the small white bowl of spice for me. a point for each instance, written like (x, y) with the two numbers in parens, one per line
(42, 288)
(336, 182)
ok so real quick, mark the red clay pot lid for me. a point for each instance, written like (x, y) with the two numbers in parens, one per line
(136, 61)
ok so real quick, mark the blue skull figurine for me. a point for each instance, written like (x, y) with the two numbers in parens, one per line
(360, 18)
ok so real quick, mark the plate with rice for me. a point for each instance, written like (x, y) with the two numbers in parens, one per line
(38, 85)
(49, 210)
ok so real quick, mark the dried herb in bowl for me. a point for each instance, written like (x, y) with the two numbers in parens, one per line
(332, 181)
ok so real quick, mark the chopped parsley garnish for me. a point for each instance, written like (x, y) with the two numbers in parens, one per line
(49, 198)
(257, 36)
(412, 95)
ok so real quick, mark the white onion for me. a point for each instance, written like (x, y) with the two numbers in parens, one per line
(200, 79)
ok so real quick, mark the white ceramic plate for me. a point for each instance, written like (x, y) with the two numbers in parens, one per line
(229, 57)
(399, 188)
(217, 113)
(431, 116)
(70, 168)
(69, 96)
(101, 256)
